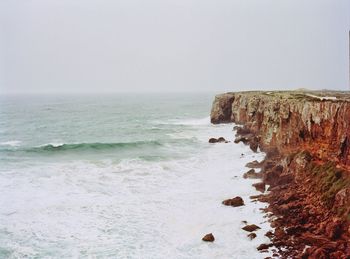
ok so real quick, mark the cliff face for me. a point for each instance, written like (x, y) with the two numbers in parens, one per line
(288, 120)
(307, 140)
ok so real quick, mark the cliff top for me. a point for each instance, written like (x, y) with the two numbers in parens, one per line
(307, 95)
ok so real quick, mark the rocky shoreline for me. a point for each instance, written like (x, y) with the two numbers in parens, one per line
(306, 171)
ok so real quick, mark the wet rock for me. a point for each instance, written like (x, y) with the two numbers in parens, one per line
(208, 238)
(259, 186)
(218, 140)
(221, 139)
(251, 174)
(234, 202)
(251, 228)
(213, 140)
(264, 247)
(254, 164)
(251, 236)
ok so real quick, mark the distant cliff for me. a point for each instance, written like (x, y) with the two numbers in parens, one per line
(306, 136)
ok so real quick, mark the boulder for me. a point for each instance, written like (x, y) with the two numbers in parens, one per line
(208, 238)
(218, 140)
(251, 228)
(213, 140)
(234, 202)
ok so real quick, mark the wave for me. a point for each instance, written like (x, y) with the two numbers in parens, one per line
(77, 147)
(94, 146)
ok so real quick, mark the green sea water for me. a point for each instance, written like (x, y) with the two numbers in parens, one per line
(121, 176)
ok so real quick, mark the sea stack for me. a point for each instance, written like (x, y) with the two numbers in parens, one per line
(306, 138)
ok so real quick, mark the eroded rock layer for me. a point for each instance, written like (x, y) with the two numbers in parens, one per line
(306, 136)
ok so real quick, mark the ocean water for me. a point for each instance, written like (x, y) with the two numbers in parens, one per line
(122, 176)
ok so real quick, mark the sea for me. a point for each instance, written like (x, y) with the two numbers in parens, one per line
(122, 176)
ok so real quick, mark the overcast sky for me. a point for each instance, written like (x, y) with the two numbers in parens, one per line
(173, 45)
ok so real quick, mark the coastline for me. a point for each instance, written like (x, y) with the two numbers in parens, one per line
(306, 140)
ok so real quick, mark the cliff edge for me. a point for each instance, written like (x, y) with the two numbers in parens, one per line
(306, 136)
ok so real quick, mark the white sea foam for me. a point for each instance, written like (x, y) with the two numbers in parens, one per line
(134, 208)
(12, 143)
(53, 144)
(186, 122)
(193, 122)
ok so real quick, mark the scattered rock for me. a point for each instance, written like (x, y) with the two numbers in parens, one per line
(218, 140)
(251, 236)
(251, 174)
(259, 186)
(213, 140)
(234, 202)
(251, 228)
(221, 139)
(208, 238)
(264, 247)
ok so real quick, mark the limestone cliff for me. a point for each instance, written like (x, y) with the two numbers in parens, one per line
(291, 120)
(307, 139)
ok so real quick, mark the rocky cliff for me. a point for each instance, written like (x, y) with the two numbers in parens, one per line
(306, 136)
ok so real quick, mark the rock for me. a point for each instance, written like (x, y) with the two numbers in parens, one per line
(242, 130)
(208, 238)
(234, 202)
(221, 109)
(259, 186)
(251, 236)
(251, 228)
(221, 139)
(213, 140)
(218, 140)
(254, 164)
(264, 247)
(307, 145)
(251, 174)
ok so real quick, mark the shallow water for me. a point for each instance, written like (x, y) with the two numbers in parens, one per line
(128, 176)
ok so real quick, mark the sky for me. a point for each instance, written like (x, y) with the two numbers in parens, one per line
(89, 46)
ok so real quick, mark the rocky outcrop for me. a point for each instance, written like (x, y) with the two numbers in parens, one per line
(306, 138)
(291, 120)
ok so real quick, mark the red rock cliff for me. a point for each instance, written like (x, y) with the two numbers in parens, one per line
(310, 177)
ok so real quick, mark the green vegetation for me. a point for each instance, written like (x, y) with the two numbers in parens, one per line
(329, 180)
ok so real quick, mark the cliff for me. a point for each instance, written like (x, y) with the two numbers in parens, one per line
(306, 136)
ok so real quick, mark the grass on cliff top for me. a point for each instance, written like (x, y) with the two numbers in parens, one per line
(329, 180)
(303, 95)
